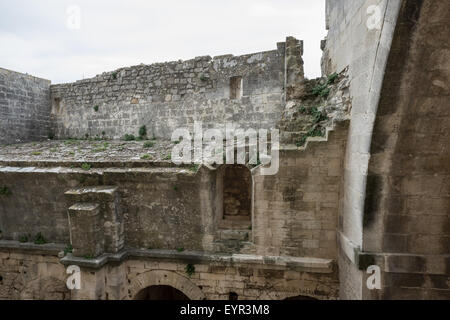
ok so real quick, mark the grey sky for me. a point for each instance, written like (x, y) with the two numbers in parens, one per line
(35, 38)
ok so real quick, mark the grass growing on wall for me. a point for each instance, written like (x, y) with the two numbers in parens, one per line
(5, 191)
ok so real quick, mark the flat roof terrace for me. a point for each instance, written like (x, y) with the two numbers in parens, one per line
(101, 153)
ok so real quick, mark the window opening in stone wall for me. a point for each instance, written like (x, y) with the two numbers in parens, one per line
(235, 87)
(56, 107)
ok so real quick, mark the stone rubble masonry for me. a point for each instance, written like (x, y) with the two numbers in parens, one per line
(166, 96)
(24, 107)
(42, 276)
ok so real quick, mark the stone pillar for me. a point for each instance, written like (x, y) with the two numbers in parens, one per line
(85, 230)
(295, 76)
(95, 210)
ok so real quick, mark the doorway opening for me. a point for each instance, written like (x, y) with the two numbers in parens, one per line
(237, 193)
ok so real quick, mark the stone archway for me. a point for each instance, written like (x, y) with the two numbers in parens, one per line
(160, 293)
(164, 278)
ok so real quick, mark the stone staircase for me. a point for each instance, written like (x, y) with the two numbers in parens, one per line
(311, 116)
(233, 236)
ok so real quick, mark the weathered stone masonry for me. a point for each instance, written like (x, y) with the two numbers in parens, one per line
(395, 199)
(166, 96)
(370, 191)
(24, 107)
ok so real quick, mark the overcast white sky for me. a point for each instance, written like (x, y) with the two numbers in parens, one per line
(35, 39)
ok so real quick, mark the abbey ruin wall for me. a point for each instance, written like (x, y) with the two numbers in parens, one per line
(245, 90)
(24, 107)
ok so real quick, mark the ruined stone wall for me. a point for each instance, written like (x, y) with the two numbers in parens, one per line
(24, 107)
(35, 204)
(166, 96)
(40, 275)
(32, 275)
(158, 206)
(250, 281)
(356, 41)
(296, 210)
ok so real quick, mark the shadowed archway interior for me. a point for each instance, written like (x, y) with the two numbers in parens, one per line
(161, 293)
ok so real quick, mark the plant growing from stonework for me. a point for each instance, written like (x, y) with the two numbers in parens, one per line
(129, 137)
(39, 239)
(314, 132)
(143, 132)
(68, 249)
(332, 78)
(193, 168)
(190, 269)
(88, 257)
(5, 191)
(95, 108)
(302, 109)
(203, 77)
(317, 115)
(325, 92)
(23, 238)
(321, 90)
(168, 157)
(86, 166)
(180, 249)
(148, 144)
(145, 157)
(114, 75)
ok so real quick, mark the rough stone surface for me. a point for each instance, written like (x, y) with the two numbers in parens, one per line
(372, 191)
(24, 107)
(166, 96)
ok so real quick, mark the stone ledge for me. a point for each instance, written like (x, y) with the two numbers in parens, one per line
(313, 265)
(75, 165)
(394, 262)
(31, 248)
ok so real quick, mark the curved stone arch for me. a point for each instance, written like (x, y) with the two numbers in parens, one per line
(165, 278)
(286, 295)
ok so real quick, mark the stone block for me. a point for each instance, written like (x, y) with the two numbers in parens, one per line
(86, 229)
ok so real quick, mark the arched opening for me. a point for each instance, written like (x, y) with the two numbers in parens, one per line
(301, 298)
(163, 278)
(233, 296)
(161, 292)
